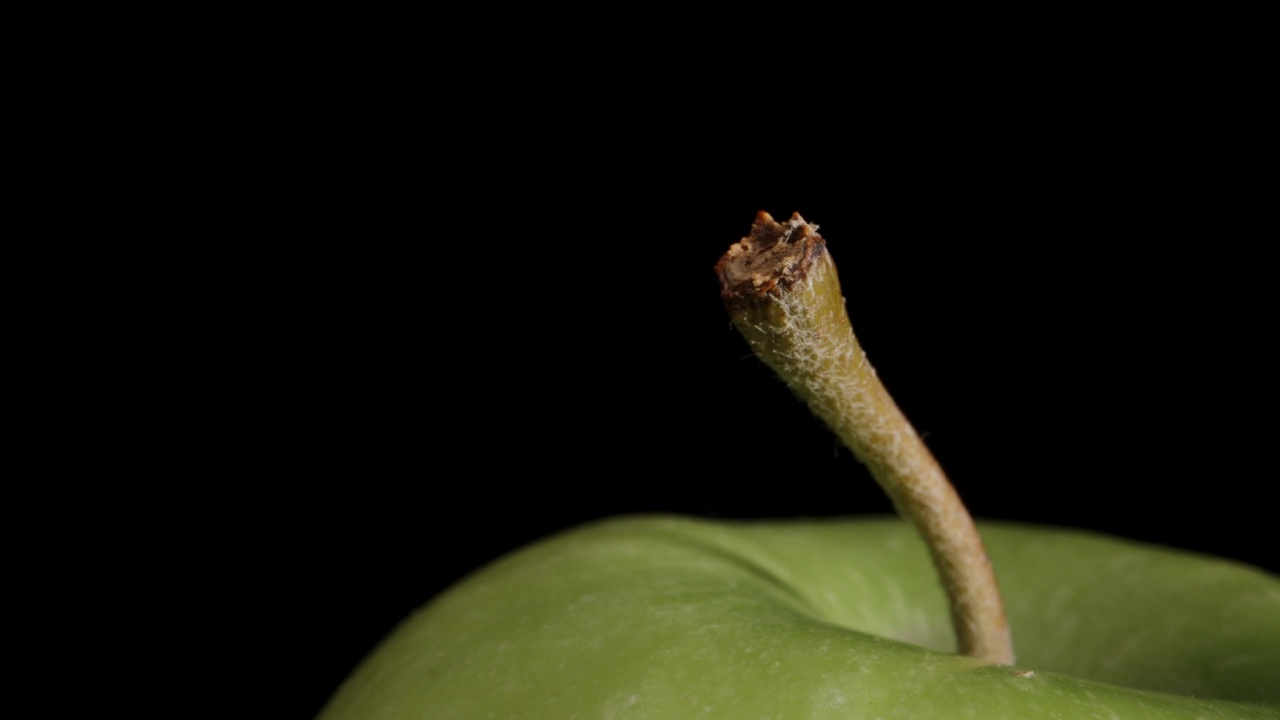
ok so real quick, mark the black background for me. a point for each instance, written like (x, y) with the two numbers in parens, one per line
(513, 335)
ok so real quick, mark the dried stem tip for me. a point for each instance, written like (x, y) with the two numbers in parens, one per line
(774, 254)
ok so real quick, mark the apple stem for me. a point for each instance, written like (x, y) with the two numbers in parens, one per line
(783, 294)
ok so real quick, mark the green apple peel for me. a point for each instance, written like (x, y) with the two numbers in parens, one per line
(782, 292)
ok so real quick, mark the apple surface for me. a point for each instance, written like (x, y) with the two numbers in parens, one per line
(671, 618)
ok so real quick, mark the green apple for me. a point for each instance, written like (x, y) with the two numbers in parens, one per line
(671, 618)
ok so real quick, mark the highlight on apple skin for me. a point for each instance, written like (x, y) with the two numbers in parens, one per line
(668, 617)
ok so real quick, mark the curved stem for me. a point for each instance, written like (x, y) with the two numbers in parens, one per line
(783, 294)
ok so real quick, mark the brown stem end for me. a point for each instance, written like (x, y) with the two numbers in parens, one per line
(772, 258)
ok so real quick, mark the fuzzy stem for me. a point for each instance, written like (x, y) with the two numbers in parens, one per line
(783, 294)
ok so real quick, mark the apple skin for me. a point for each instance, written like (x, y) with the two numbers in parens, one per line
(671, 618)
